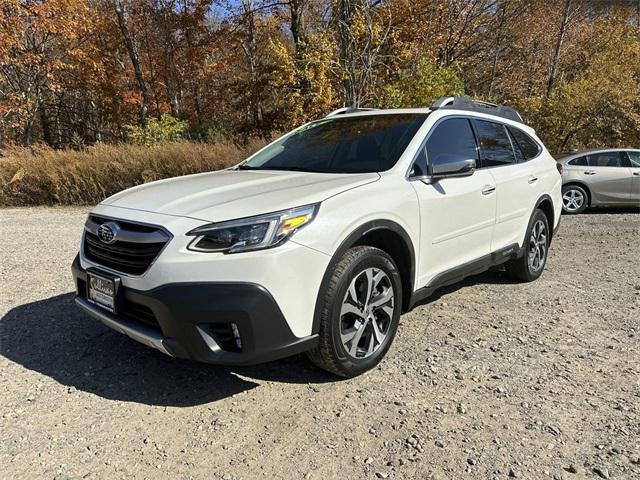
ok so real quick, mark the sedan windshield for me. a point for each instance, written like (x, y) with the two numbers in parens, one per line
(369, 143)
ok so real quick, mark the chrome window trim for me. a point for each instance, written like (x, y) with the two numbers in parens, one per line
(118, 272)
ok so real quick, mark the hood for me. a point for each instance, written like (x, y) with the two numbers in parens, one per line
(229, 194)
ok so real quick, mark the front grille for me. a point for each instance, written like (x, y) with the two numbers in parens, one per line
(133, 257)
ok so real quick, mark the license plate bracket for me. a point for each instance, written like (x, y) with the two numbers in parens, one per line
(103, 290)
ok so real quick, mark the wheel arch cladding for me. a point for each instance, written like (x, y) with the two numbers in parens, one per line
(387, 236)
(581, 185)
(545, 204)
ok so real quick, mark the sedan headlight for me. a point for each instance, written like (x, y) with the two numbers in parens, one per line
(251, 233)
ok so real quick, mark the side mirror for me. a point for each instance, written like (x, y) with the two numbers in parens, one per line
(448, 165)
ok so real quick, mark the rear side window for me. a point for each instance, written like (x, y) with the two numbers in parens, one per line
(528, 146)
(516, 149)
(635, 159)
(495, 145)
(605, 159)
(580, 161)
(454, 137)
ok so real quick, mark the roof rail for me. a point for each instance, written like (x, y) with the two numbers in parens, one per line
(465, 103)
(343, 110)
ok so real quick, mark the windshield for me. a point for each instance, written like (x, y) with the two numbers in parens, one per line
(371, 143)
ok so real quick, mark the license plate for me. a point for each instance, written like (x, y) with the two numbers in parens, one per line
(102, 291)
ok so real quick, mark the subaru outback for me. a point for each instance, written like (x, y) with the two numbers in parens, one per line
(318, 242)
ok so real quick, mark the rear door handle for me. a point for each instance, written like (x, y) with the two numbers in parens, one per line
(532, 179)
(637, 174)
(488, 189)
(589, 172)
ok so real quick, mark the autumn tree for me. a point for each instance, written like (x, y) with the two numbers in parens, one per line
(41, 43)
(601, 104)
(76, 72)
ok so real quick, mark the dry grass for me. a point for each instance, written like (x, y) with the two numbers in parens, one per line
(43, 176)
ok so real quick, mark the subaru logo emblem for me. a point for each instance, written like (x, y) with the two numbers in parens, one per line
(107, 232)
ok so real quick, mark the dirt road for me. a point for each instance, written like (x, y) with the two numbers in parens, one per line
(490, 379)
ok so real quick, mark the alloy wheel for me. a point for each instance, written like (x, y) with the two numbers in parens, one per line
(366, 313)
(573, 200)
(538, 246)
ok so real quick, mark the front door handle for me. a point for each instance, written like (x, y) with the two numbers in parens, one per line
(488, 189)
(589, 172)
(532, 179)
(637, 174)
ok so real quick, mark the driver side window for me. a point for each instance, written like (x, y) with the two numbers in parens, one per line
(453, 136)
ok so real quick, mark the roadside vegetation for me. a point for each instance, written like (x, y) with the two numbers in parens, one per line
(45, 176)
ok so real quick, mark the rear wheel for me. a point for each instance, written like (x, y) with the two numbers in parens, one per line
(360, 312)
(574, 199)
(530, 266)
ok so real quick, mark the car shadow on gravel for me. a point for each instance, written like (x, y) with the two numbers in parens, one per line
(494, 276)
(610, 210)
(53, 337)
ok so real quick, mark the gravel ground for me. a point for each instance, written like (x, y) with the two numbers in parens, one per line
(489, 379)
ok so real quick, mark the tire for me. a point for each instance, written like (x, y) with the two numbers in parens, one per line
(575, 199)
(350, 344)
(536, 246)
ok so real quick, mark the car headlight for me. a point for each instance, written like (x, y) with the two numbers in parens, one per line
(251, 233)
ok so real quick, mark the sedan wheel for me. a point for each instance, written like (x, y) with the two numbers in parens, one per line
(573, 200)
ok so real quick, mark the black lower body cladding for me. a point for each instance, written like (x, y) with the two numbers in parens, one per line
(219, 323)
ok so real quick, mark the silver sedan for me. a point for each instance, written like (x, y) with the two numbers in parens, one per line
(608, 177)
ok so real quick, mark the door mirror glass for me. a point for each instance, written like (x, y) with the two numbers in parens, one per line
(452, 165)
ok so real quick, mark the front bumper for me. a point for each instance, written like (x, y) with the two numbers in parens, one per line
(194, 321)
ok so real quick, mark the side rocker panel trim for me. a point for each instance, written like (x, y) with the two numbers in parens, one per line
(457, 274)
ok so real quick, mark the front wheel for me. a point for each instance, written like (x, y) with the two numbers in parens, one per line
(360, 312)
(530, 266)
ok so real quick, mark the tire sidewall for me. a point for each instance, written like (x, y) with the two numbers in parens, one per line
(376, 259)
(584, 194)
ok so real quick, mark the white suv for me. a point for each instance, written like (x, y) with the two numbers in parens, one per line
(320, 240)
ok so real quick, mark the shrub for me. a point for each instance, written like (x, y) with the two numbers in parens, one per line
(43, 176)
(158, 130)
